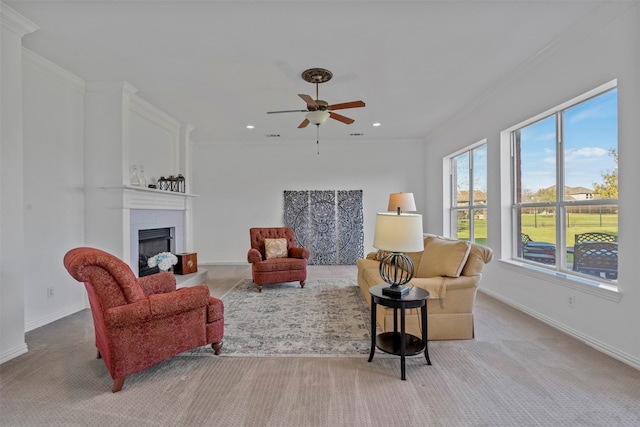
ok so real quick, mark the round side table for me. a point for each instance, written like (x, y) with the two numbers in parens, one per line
(399, 343)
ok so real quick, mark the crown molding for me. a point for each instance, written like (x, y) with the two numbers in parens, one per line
(42, 65)
(16, 22)
(156, 115)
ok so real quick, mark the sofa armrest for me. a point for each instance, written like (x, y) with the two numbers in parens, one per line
(157, 307)
(299, 253)
(254, 256)
(463, 282)
(180, 301)
(436, 286)
(158, 283)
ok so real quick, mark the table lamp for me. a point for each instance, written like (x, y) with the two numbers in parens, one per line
(397, 233)
(402, 202)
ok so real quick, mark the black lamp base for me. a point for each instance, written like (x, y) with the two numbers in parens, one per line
(395, 291)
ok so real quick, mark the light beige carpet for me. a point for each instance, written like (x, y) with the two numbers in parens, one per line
(516, 372)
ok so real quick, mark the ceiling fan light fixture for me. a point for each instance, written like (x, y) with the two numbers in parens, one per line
(317, 117)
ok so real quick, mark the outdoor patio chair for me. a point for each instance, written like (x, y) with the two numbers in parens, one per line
(543, 252)
(596, 254)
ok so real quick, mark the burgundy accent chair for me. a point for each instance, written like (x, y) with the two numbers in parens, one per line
(276, 270)
(139, 322)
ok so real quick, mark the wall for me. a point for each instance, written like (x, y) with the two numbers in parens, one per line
(602, 47)
(241, 185)
(53, 188)
(12, 224)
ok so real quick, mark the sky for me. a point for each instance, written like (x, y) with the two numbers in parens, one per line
(590, 132)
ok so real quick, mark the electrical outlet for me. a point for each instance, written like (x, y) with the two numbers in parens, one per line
(49, 292)
(571, 302)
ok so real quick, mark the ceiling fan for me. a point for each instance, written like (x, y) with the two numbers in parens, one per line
(318, 111)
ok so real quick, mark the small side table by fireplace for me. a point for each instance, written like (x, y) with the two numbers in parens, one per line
(399, 343)
(187, 263)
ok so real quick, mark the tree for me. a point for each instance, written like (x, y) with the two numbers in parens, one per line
(608, 189)
(546, 194)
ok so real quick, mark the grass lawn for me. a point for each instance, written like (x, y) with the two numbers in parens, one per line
(542, 228)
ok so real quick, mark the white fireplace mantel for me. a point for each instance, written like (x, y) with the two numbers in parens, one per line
(149, 198)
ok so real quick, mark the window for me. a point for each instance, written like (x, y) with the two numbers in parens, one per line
(573, 148)
(468, 171)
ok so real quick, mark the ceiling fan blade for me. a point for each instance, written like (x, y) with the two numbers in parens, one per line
(309, 100)
(287, 111)
(304, 124)
(352, 104)
(341, 118)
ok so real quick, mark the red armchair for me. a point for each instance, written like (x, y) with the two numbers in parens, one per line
(140, 322)
(290, 267)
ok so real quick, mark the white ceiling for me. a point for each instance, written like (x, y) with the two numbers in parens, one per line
(221, 65)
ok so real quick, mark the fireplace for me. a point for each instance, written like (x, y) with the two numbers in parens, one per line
(152, 219)
(151, 242)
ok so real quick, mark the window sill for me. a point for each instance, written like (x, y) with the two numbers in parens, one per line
(593, 287)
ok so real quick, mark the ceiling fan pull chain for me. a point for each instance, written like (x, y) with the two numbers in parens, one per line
(318, 139)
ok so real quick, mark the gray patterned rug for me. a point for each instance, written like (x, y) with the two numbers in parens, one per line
(327, 317)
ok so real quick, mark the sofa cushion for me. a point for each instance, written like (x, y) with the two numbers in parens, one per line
(275, 248)
(443, 257)
(279, 264)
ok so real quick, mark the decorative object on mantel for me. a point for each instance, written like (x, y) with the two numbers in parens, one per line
(172, 183)
(141, 177)
(135, 179)
(164, 261)
(162, 183)
(328, 223)
(181, 183)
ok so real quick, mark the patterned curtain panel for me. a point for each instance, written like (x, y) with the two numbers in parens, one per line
(329, 223)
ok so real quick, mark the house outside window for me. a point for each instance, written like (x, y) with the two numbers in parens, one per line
(468, 198)
(573, 148)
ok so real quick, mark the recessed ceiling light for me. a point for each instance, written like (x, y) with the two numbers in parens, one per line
(250, 126)
(376, 124)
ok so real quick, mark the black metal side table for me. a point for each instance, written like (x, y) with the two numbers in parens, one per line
(399, 343)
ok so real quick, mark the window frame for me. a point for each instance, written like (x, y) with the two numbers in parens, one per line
(511, 231)
(450, 192)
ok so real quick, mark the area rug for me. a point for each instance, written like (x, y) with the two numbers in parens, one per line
(328, 317)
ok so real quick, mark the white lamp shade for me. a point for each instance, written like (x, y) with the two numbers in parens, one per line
(317, 117)
(404, 201)
(398, 233)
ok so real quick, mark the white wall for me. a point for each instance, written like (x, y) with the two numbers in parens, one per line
(241, 185)
(603, 47)
(12, 250)
(53, 188)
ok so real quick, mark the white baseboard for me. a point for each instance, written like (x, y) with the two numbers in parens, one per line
(591, 342)
(13, 353)
(53, 317)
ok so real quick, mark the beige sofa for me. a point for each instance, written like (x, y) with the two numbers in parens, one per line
(450, 270)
